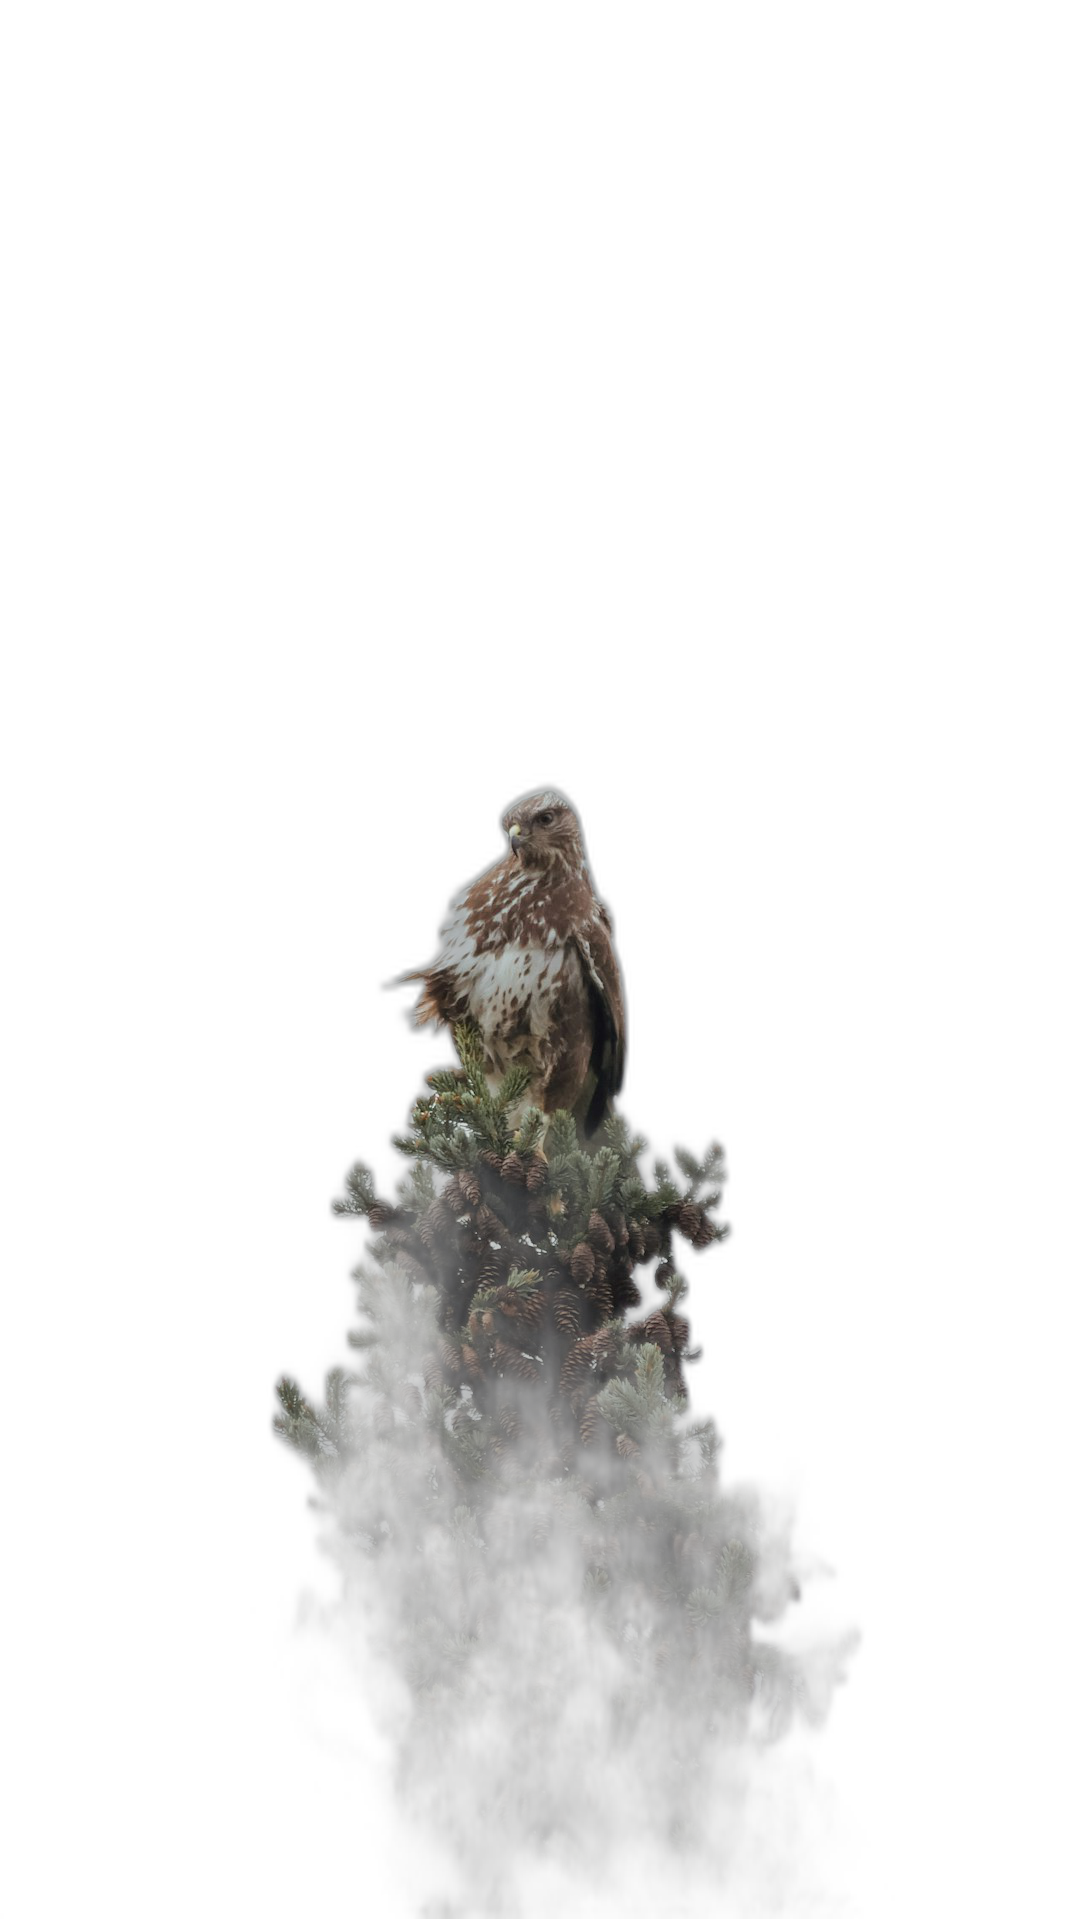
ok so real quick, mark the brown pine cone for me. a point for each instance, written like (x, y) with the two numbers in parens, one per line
(626, 1446)
(530, 1306)
(536, 1177)
(600, 1234)
(512, 1360)
(688, 1219)
(567, 1310)
(515, 1424)
(593, 1426)
(471, 1363)
(513, 1169)
(658, 1330)
(582, 1263)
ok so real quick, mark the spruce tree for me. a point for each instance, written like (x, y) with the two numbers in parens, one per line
(529, 1520)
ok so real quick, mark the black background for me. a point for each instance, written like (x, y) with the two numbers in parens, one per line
(737, 864)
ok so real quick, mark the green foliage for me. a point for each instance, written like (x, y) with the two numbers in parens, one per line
(547, 1597)
(641, 1404)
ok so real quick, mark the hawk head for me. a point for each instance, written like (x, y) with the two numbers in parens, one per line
(543, 830)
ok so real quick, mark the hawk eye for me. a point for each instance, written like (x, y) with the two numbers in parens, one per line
(545, 818)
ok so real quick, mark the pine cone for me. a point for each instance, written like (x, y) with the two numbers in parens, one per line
(536, 1177)
(493, 1266)
(588, 1420)
(432, 1373)
(601, 1298)
(626, 1295)
(530, 1306)
(600, 1234)
(680, 1332)
(652, 1239)
(567, 1310)
(487, 1222)
(555, 1413)
(442, 1217)
(515, 1424)
(626, 1446)
(513, 1169)
(471, 1363)
(688, 1219)
(411, 1400)
(582, 1263)
(658, 1330)
(575, 1364)
(450, 1355)
(512, 1360)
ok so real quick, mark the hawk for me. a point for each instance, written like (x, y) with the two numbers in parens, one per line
(527, 956)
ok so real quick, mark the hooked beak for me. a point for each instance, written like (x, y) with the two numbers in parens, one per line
(515, 838)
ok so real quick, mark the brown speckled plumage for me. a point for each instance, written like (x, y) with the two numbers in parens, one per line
(527, 955)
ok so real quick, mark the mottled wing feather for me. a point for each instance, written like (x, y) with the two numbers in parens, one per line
(599, 956)
(530, 959)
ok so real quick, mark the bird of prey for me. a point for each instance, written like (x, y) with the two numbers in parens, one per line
(527, 955)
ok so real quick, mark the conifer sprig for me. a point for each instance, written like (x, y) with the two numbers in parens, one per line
(551, 1605)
